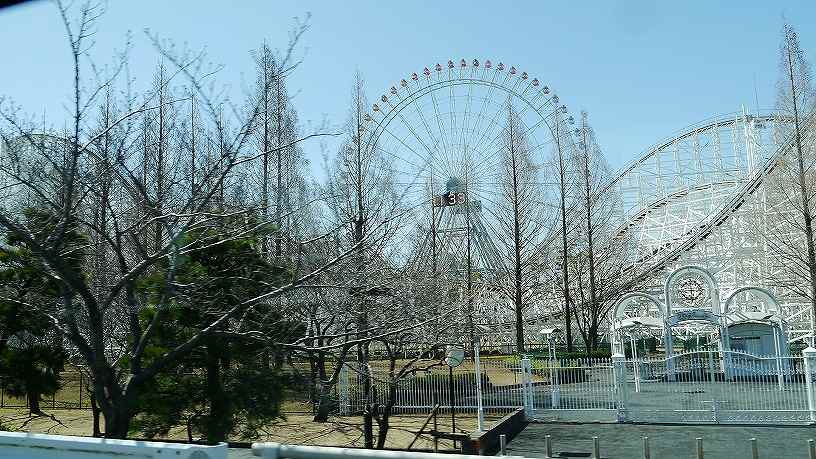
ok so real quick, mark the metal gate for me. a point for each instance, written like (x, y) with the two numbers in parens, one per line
(695, 387)
(709, 386)
(573, 389)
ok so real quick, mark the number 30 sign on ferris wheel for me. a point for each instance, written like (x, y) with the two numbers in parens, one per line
(449, 199)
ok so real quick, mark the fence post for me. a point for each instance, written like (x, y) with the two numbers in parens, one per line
(548, 446)
(810, 364)
(619, 377)
(343, 391)
(527, 385)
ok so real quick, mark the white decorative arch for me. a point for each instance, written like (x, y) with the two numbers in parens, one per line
(716, 312)
(780, 340)
(617, 312)
(766, 294)
(619, 321)
(709, 278)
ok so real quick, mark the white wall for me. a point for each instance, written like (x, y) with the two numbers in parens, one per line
(15, 445)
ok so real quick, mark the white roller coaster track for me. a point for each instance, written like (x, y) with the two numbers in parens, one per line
(650, 267)
(718, 218)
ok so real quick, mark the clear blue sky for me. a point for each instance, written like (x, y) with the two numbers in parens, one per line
(642, 69)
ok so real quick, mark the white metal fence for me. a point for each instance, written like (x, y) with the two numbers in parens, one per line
(700, 386)
(707, 386)
(421, 390)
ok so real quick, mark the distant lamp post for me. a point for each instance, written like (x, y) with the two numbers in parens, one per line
(551, 335)
(634, 335)
(454, 356)
(477, 350)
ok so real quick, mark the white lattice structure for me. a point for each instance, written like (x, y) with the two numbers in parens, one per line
(710, 195)
(713, 196)
(732, 231)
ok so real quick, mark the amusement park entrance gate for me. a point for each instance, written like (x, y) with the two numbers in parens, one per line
(695, 387)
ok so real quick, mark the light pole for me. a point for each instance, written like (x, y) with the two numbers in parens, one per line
(777, 339)
(633, 339)
(551, 334)
(453, 358)
(477, 350)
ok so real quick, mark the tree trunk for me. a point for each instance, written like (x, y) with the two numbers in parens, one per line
(517, 244)
(95, 412)
(359, 227)
(115, 405)
(368, 411)
(33, 402)
(219, 420)
(384, 423)
(117, 421)
(278, 157)
(324, 391)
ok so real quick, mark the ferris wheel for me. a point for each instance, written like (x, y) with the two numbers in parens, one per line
(445, 133)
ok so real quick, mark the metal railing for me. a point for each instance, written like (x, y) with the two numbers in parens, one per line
(701, 386)
(72, 395)
(457, 388)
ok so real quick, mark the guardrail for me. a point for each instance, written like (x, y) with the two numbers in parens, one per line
(280, 451)
(16, 445)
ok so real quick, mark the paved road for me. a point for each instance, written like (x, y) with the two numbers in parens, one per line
(624, 441)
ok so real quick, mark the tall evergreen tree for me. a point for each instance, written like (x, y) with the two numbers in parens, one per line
(31, 352)
(227, 386)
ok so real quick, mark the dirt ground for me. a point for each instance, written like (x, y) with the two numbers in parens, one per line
(296, 428)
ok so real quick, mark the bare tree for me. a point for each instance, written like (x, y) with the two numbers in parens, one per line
(101, 317)
(358, 194)
(796, 101)
(521, 216)
(562, 156)
(280, 169)
(598, 260)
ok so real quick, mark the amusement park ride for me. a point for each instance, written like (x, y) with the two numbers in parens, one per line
(698, 198)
